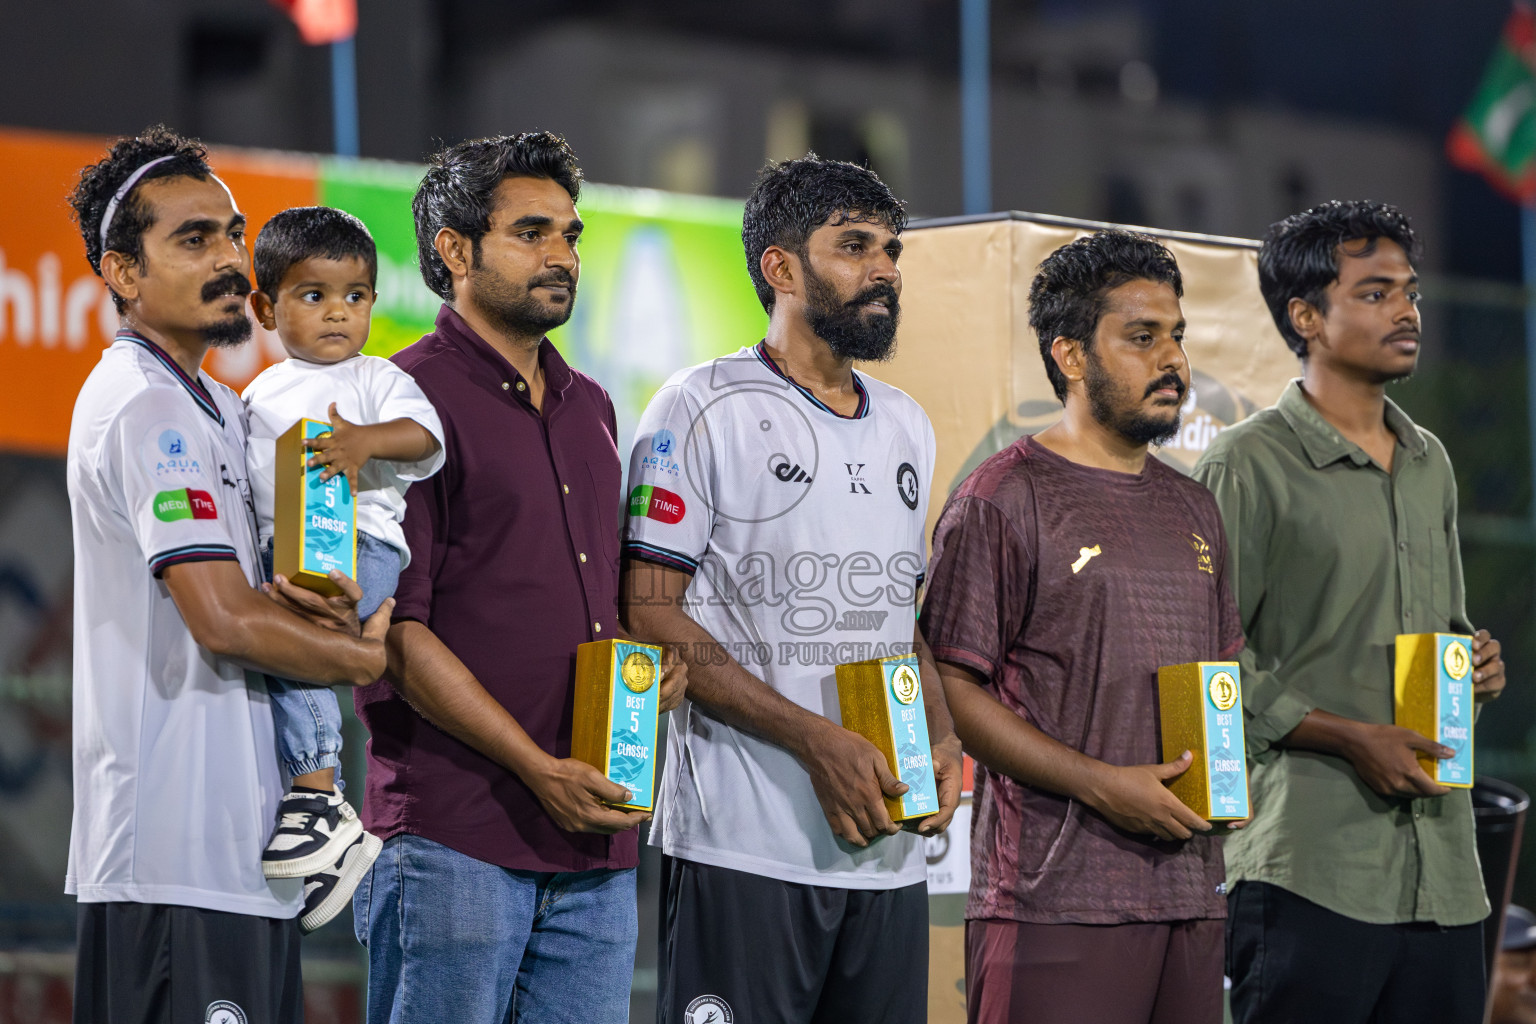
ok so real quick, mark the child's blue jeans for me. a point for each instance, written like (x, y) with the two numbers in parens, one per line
(307, 718)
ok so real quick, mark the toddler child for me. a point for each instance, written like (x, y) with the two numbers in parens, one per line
(315, 273)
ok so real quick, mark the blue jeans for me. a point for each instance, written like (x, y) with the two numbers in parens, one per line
(307, 717)
(452, 938)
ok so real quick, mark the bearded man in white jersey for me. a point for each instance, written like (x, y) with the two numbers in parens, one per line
(775, 529)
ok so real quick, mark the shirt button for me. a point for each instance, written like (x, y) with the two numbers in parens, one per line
(1402, 545)
(521, 386)
(505, 385)
(597, 627)
(582, 556)
(566, 488)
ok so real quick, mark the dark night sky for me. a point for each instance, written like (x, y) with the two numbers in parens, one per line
(1409, 63)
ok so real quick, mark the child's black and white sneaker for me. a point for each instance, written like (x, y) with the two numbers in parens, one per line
(328, 891)
(313, 831)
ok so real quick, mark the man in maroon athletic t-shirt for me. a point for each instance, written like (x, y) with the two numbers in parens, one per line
(1066, 569)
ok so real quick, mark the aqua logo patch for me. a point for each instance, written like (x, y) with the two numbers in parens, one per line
(169, 456)
(186, 503)
(663, 459)
(656, 503)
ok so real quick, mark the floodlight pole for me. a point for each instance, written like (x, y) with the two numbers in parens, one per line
(344, 95)
(975, 106)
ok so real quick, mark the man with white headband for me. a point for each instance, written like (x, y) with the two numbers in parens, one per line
(176, 777)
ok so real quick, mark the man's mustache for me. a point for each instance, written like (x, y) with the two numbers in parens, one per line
(558, 276)
(881, 293)
(228, 284)
(1167, 380)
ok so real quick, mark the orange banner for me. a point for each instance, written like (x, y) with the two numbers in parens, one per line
(55, 314)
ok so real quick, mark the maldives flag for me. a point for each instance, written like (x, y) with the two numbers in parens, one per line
(1497, 134)
(322, 21)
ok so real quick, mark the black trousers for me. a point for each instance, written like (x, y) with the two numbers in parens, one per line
(150, 963)
(738, 948)
(1294, 962)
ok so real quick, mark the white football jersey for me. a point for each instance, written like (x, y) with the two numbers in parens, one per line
(803, 531)
(175, 759)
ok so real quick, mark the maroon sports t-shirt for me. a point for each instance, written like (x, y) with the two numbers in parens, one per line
(1067, 587)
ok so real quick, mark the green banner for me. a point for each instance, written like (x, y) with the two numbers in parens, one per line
(663, 281)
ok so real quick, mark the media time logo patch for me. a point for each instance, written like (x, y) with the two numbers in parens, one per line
(656, 503)
(185, 503)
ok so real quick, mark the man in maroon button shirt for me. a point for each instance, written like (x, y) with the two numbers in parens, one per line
(1066, 570)
(506, 883)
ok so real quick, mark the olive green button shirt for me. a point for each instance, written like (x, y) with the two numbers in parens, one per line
(1331, 557)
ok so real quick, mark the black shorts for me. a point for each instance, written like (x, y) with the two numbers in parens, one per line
(151, 963)
(738, 948)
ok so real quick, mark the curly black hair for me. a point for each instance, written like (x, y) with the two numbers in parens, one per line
(1069, 292)
(1300, 256)
(790, 200)
(101, 180)
(459, 190)
(302, 232)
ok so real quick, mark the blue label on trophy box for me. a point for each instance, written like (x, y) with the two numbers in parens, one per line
(1454, 706)
(330, 537)
(314, 522)
(631, 751)
(1226, 775)
(909, 730)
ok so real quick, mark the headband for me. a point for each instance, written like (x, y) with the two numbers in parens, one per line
(122, 191)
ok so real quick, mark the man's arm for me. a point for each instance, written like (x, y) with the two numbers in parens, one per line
(1134, 798)
(234, 620)
(848, 772)
(438, 685)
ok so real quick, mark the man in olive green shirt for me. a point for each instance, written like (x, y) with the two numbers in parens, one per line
(1355, 891)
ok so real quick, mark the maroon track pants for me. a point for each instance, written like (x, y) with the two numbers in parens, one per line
(1159, 973)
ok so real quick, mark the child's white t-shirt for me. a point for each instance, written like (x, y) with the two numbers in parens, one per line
(366, 390)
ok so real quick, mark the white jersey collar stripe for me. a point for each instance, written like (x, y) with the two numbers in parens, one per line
(194, 386)
(761, 351)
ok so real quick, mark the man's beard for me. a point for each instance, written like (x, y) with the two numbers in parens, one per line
(228, 333)
(519, 313)
(848, 331)
(1119, 408)
(235, 329)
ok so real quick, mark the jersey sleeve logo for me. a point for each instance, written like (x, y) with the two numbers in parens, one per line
(169, 457)
(656, 503)
(185, 503)
(1084, 555)
(664, 458)
(1202, 553)
(906, 485)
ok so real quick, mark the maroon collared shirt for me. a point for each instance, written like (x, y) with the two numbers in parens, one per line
(514, 562)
